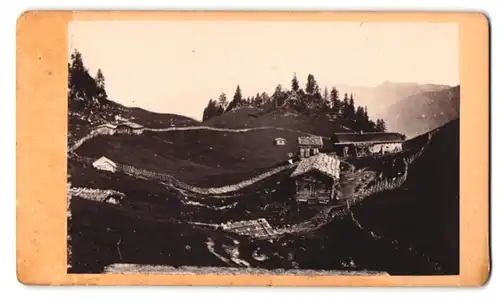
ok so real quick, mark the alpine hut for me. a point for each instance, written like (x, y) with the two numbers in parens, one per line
(317, 179)
(367, 144)
(309, 145)
(129, 128)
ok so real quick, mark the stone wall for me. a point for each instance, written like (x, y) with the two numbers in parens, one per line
(94, 194)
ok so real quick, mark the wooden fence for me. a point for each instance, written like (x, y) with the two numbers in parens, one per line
(171, 180)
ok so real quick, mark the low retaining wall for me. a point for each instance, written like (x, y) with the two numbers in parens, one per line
(94, 194)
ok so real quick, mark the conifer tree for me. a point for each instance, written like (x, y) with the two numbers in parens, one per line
(311, 85)
(295, 83)
(336, 104)
(101, 85)
(222, 101)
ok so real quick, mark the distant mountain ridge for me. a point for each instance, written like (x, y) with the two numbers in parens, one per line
(380, 97)
(420, 113)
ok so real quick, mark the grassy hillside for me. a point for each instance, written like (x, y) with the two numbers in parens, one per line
(380, 97)
(423, 214)
(423, 112)
(199, 157)
(247, 117)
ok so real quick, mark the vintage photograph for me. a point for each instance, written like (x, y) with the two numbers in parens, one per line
(263, 147)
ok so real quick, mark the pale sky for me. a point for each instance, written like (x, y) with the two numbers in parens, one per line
(177, 66)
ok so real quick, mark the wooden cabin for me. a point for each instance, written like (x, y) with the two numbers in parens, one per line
(317, 179)
(129, 128)
(354, 145)
(309, 145)
(122, 128)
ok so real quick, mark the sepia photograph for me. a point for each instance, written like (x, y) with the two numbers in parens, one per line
(263, 147)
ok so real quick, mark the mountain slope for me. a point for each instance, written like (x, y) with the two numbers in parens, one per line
(423, 214)
(423, 112)
(380, 97)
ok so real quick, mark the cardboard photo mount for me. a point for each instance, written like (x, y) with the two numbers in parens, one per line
(41, 141)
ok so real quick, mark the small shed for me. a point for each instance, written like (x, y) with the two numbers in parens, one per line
(129, 128)
(317, 179)
(107, 128)
(105, 164)
(279, 141)
(309, 145)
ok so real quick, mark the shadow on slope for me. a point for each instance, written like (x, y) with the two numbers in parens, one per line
(103, 233)
(423, 214)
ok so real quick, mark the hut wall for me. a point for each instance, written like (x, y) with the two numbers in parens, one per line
(312, 189)
(123, 129)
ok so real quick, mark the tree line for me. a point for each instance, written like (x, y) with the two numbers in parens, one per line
(310, 100)
(84, 90)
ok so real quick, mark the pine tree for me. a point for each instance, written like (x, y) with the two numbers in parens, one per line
(359, 119)
(335, 101)
(209, 110)
(380, 125)
(222, 101)
(265, 98)
(101, 85)
(351, 106)
(325, 100)
(311, 85)
(99, 79)
(258, 100)
(237, 95)
(344, 108)
(295, 83)
(237, 99)
(278, 96)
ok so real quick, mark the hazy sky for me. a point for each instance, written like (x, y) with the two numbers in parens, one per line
(177, 66)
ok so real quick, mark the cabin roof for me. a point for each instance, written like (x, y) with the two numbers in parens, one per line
(104, 160)
(126, 124)
(310, 141)
(369, 137)
(325, 164)
(107, 125)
